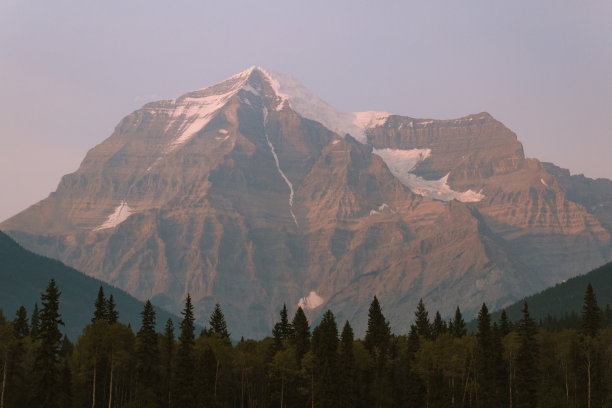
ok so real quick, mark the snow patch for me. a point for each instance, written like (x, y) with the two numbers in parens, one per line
(380, 209)
(543, 182)
(121, 213)
(402, 162)
(195, 110)
(371, 119)
(310, 106)
(223, 131)
(336, 141)
(312, 301)
(265, 113)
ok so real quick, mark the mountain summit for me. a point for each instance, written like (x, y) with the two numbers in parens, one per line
(254, 192)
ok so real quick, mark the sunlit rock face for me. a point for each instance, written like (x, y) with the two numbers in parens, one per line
(253, 193)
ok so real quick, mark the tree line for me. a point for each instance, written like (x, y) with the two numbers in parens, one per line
(436, 364)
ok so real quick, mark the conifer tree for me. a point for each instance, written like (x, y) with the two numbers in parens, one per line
(146, 348)
(20, 323)
(112, 315)
(527, 373)
(184, 390)
(490, 364)
(168, 356)
(300, 337)
(504, 323)
(217, 324)
(282, 330)
(458, 329)
(35, 322)
(590, 321)
(147, 379)
(347, 369)
(46, 368)
(100, 307)
(378, 333)
(325, 349)
(591, 369)
(438, 327)
(377, 342)
(422, 323)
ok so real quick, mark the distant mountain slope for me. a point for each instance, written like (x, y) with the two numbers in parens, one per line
(566, 297)
(25, 275)
(594, 194)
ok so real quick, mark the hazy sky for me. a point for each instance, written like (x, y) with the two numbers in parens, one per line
(70, 70)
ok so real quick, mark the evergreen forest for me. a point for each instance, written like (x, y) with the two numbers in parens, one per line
(515, 364)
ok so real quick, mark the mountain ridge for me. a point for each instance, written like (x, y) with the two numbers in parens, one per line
(267, 202)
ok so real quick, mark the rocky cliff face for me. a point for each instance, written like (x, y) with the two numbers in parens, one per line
(254, 193)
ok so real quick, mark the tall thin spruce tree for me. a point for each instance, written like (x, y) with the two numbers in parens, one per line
(458, 326)
(325, 349)
(184, 390)
(20, 323)
(100, 307)
(490, 375)
(422, 324)
(300, 336)
(347, 368)
(112, 315)
(46, 365)
(35, 322)
(217, 324)
(590, 321)
(527, 371)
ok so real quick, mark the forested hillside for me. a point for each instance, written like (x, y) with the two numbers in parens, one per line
(561, 303)
(24, 276)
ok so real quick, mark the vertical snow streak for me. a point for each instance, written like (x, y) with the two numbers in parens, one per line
(265, 114)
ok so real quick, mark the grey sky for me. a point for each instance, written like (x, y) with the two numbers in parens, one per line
(70, 70)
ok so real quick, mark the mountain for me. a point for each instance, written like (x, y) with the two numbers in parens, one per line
(254, 192)
(594, 194)
(564, 298)
(25, 275)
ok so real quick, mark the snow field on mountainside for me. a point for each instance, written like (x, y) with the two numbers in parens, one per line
(401, 163)
(312, 301)
(121, 213)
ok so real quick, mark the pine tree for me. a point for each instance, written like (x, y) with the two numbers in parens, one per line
(592, 369)
(35, 322)
(46, 368)
(217, 324)
(112, 315)
(325, 349)
(504, 323)
(300, 337)
(527, 373)
(377, 342)
(184, 390)
(591, 319)
(146, 349)
(168, 356)
(20, 323)
(347, 368)
(100, 307)
(490, 367)
(378, 333)
(422, 321)
(439, 326)
(282, 330)
(458, 329)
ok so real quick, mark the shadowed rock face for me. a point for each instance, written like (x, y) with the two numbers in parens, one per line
(251, 194)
